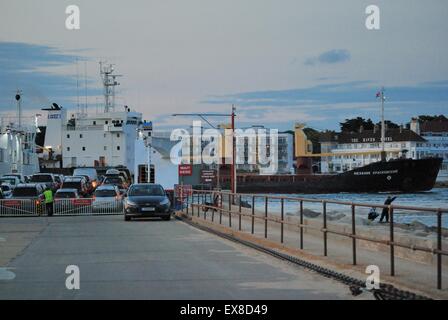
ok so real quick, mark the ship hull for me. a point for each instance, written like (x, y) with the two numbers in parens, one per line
(400, 175)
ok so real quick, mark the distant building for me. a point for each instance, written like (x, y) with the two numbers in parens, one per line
(352, 150)
(285, 152)
(435, 132)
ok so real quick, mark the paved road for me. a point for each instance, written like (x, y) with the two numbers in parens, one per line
(144, 260)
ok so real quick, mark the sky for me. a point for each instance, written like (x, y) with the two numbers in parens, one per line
(279, 62)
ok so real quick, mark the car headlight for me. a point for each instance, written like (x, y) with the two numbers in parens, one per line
(165, 202)
(130, 203)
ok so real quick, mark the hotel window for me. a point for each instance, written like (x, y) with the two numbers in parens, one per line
(94, 123)
(105, 148)
(80, 136)
(68, 148)
(106, 122)
(118, 147)
(118, 135)
(68, 136)
(83, 148)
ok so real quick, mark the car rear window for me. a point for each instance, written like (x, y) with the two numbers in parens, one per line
(114, 180)
(72, 184)
(41, 178)
(24, 192)
(105, 193)
(147, 190)
(65, 195)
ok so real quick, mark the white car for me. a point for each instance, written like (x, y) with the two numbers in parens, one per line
(11, 180)
(6, 190)
(107, 197)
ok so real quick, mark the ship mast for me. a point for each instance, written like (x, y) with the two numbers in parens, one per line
(109, 83)
(383, 127)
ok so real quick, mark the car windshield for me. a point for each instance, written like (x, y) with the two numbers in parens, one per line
(148, 190)
(24, 192)
(41, 178)
(65, 195)
(105, 193)
(113, 180)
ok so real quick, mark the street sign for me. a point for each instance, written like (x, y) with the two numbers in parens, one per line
(185, 170)
(208, 176)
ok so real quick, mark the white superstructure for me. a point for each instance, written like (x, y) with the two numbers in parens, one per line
(105, 138)
(17, 143)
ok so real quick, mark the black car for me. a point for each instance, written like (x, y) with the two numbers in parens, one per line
(147, 200)
(45, 178)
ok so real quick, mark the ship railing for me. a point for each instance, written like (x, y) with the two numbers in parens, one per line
(214, 205)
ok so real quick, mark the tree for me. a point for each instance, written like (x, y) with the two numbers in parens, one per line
(389, 124)
(355, 124)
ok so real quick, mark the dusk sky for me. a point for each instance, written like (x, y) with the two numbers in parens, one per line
(279, 62)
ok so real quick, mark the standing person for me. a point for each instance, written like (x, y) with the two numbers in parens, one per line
(385, 213)
(48, 194)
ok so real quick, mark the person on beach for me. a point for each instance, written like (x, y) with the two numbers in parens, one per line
(385, 213)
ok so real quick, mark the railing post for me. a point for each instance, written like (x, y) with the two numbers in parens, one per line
(282, 215)
(354, 234)
(220, 208)
(324, 212)
(230, 209)
(392, 249)
(301, 224)
(253, 214)
(188, 204)
(266, 217)
(239, 216)
(439, 248)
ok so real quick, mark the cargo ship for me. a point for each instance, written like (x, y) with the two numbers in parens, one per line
(369, 166)
(397, 175)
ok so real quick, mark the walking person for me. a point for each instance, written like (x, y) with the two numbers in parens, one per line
(385, 213)
(48, 194)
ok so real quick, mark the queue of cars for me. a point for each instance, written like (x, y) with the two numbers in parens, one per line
(112, 190)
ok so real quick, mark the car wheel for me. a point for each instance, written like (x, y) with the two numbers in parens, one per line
(167, 218)
(126, 218)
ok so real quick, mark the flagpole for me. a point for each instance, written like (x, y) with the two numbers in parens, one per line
(383, 128)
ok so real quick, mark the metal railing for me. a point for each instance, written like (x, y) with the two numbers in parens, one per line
(61, 207)
(231, 204)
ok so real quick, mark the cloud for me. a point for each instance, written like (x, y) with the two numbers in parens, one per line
(31, 68)
(329, 57)
(325, 104)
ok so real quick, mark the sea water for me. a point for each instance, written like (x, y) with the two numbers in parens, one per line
(436, 198)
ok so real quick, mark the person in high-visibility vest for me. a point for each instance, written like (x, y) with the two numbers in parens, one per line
(48, 194)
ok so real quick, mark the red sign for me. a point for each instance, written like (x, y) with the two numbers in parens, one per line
(185, 170)
(82, 202)
(11, 203)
